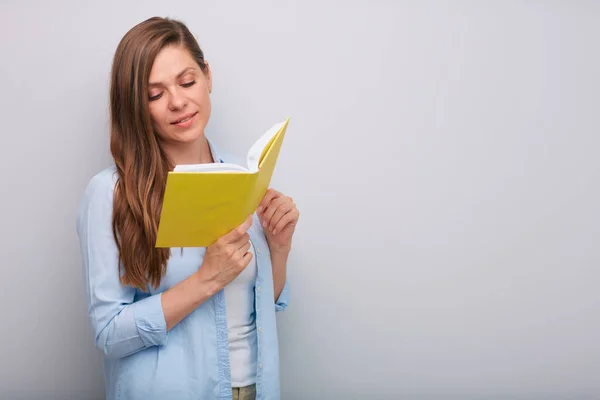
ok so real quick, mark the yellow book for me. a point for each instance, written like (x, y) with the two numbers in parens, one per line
(203, 202)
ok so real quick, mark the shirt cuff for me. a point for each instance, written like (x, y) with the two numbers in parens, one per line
(282, 302)
(150, 321)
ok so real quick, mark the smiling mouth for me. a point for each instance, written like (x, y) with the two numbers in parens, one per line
(184, 119)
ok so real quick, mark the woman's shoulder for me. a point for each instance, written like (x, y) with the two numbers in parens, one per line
(98, 194)
(102, 183)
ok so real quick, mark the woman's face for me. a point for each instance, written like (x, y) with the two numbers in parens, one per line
(178, 94)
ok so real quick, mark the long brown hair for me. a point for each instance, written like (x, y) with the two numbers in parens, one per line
(141, 163)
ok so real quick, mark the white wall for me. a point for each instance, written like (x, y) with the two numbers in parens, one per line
(444, 156)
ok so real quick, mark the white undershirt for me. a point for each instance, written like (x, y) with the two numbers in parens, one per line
(239, 297)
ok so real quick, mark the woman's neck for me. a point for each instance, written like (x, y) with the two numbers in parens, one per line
(197, 152)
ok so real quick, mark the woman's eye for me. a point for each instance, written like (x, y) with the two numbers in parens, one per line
(187, 85)
(155, 97)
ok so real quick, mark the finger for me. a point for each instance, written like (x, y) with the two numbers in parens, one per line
(241, 251)
(240, 242)
(236, 251)
(246, 260)
(238, 232)
(270, 211)
(279, 213)
(267, 198)
(291, 218)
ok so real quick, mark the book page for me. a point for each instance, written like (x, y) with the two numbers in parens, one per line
(254, 154)
(210, 167)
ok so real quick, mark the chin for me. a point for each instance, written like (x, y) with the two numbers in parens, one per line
(190, 136)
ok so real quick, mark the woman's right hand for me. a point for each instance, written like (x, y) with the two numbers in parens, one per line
(225, 259)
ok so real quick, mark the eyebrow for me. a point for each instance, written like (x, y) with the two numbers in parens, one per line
(179, 75)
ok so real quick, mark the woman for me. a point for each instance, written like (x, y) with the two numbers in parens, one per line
(193, 323)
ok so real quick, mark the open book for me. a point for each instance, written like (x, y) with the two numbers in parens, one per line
(202, 202)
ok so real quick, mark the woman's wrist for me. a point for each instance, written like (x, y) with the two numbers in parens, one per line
(280, 251)
(207, 285)
(279, 258)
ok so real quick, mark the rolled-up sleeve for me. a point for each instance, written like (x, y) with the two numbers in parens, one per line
(121, 326)
(282, 301)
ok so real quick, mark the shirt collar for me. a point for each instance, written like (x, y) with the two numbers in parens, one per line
(214, 152)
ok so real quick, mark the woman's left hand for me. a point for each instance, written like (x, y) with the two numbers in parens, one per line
(278, 215)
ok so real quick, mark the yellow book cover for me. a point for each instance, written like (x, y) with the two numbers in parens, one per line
(202, 202)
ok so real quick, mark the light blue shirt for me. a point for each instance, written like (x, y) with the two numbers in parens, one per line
(141, 359)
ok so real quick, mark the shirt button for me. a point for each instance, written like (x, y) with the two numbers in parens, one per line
(258, 250)
(260, 365)
(258, 288)
(260, 329)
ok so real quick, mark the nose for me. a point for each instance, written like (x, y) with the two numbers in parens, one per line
(177, 100)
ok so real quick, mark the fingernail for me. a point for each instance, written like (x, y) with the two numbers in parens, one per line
(260, 208)
(274, 232)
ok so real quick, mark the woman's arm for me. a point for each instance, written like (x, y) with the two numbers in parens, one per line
(121, 326)
(183, 298)
(279, 262)
(279, 215)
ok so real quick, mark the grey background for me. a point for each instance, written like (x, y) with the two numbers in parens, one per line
(444, 156)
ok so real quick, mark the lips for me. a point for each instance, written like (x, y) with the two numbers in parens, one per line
(183, 118)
